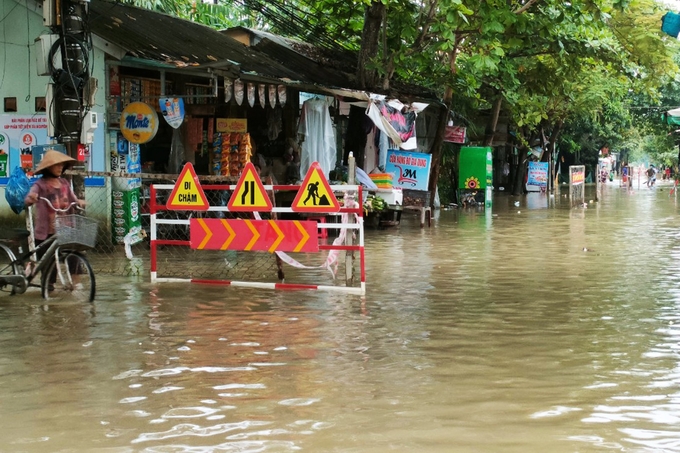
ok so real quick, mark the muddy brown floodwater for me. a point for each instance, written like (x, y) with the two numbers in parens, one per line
(525, 329)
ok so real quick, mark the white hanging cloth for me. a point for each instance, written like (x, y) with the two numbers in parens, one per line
(316, 129)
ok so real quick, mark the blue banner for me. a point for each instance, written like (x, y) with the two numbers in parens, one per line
(410, 170)
(538, 174)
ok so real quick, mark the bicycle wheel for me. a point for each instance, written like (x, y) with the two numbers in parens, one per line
(69, 278)
(7, 267)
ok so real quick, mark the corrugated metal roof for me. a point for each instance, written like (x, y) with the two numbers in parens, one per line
(308, 62)
(182, 43)
(162, 38)
(336, 69)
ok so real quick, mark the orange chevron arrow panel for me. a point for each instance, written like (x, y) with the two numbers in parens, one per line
(246, 234)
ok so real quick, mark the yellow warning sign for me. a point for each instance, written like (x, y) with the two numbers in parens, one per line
(315, 195)
(187, 193)
(249, 194)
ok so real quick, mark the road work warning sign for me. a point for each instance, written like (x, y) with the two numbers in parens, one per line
(315, 195)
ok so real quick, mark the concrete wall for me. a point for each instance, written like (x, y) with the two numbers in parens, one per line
(21, 23)
(18, 77)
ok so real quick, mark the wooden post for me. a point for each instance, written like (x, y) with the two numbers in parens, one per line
(349, 255)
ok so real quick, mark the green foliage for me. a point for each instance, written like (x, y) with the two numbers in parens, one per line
(585, 64)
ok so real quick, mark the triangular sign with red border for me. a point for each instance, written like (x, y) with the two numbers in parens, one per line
(315, 195)
(187, 195)
(249, 194)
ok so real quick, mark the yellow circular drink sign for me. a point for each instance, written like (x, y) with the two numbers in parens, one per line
(138, 122)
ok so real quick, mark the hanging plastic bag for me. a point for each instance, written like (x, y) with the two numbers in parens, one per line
(16, 190)
(272, 95)
(261, 95)
(228, 87)
(238, 91)
(251, 94)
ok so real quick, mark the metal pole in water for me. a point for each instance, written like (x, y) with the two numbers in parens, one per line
(597, 182)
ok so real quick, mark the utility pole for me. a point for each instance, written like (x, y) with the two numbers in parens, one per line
(71, 90)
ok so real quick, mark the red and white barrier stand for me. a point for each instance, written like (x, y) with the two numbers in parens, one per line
(314, 196)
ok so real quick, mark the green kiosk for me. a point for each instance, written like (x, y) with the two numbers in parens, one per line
(475, 176)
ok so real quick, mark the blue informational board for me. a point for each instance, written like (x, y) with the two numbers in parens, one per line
(21, 134)
(410, 170)
(538, 175)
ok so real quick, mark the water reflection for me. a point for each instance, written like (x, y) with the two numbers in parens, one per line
(524, 329)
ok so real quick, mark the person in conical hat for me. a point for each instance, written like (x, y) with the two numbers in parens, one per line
(54, 188)
(52, 158)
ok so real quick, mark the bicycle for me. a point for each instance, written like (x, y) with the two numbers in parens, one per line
(65, 271)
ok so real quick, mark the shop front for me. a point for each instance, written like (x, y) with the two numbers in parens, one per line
(219, 104)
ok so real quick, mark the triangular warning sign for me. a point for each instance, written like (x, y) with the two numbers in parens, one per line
(315, 195)
(249, 194)
(187, 194)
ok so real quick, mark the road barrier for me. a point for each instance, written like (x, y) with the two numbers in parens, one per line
(280, 248)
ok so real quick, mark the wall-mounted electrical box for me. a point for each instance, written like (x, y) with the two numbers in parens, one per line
(49, 13)
(43, 44)
(90, 123)
(49, 108)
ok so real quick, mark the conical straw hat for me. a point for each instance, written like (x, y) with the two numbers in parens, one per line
(52, 157)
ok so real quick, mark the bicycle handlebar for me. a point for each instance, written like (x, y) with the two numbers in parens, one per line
(49, 203)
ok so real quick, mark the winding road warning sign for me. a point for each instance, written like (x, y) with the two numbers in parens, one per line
(315, 195)
(187, 193)
(249, 194)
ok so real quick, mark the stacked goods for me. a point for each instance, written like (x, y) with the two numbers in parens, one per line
(231, 152)
(374, 203)
(217, 153)
(382, 180)
(416, 197)
(125, 213)
(245, 151)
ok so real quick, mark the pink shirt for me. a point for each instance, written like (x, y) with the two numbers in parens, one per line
(60, 197)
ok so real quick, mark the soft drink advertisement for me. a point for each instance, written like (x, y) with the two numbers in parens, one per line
(173, 111)
(537, 177)
(18, 134)
(410, 170)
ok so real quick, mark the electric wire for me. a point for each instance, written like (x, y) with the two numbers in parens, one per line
(28, 62)
(4, 42)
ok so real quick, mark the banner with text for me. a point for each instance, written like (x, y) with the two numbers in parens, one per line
(537, 177)
(410, 170)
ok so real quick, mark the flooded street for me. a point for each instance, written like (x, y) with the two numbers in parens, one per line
(523, 329)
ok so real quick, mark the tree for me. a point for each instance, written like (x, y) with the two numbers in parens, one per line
(551, 66)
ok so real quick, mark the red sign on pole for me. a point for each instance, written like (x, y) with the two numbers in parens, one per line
(455, 134)
(245, 234)
(82, 152)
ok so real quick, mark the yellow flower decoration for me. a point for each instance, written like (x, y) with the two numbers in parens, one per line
(472, 183)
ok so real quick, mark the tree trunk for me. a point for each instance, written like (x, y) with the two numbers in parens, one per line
(550, 147)
(441, 127)
(518, 188)
(370, 39)
(437, 145)
(493, 121)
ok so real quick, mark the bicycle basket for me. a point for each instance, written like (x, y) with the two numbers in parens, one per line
(75, 231)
